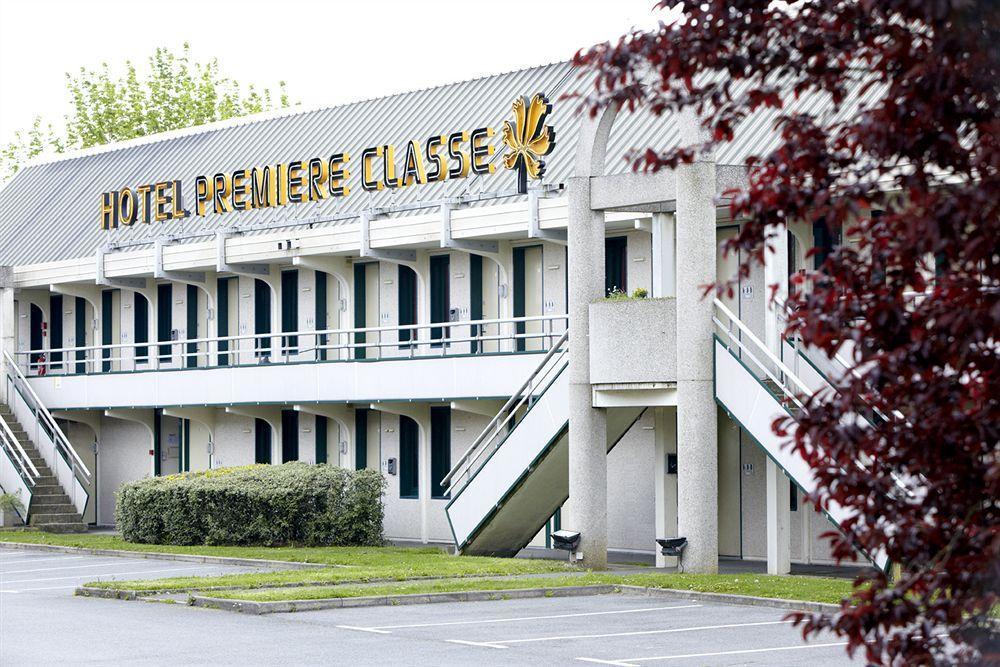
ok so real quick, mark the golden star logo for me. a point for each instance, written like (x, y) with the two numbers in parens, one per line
(528, 139)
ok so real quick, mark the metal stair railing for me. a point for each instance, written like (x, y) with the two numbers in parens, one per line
(739, 336)
(45, 420)
(493, 436)
(15, 452)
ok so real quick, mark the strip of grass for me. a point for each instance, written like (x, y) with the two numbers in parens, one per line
(364, 563)
(809, 589)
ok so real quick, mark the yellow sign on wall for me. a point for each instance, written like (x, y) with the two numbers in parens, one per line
(439, 157)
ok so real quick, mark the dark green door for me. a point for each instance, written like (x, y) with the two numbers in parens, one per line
(36, 339)
(440, 448)
(289, 436)
(361, 438)
(140, 323)
(262, 316)
(407, 293)
(191, 299)
(615, 265)
(290, 310)
(321, 322)
(55, 330)
(262, 441)
(409, 449)
(164, 318)
(222, 318)
(440, 296)
(360, 307)
(80, 332)
(322, 434)
(107, 324)
(475, 296)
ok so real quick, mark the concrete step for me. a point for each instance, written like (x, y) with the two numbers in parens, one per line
(38, 519)
(47, 491)
(74, 527)
(54, 507)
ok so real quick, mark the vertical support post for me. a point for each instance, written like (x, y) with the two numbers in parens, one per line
(8, 325)
(778, 521)
(775, 274)
(665, 485)
(664, 255)
(697, 427)
(588, 462)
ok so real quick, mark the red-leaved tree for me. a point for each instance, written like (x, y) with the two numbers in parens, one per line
(922, 152)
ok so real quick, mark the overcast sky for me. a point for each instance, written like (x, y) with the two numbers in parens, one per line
(317, 47)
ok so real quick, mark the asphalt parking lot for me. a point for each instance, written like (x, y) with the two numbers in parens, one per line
(41, 622)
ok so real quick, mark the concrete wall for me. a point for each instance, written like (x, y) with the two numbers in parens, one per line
(631, 507)
(633, 341)
(123, 457)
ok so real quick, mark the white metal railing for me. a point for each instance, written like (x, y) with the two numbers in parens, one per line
(737, 335)
(493, 436)
(69, 469)
(484, 336)
(18, 457)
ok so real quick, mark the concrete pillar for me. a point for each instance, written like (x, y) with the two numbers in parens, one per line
(697, 428)
(588, 460)
(664, 232)
(8, 325)
(775, 274)
(778, 521)
(665, 485)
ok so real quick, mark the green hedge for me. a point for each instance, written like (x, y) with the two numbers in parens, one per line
(261, 505)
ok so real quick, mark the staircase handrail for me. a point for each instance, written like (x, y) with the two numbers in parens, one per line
(505, 414)
(22, 459)
(42, 413)
(771, 357)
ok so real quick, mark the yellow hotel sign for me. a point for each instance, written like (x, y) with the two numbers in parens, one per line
(440, 157)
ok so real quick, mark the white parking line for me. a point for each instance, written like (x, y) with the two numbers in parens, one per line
(631, 662)
(72, 567)
(38, 560)
(500, 643)
(487, 645)
(382, 628)
(109, 574)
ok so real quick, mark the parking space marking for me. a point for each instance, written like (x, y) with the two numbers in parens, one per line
(381, 629)
(108, 574)
(39, 560)
(468, 643)
(68, 567)
(42, 588)
(633, 633)
(632, 662)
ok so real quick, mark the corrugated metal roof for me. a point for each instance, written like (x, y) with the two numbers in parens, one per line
(49, 210)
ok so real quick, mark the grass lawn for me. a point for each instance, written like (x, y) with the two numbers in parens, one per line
(811, 589)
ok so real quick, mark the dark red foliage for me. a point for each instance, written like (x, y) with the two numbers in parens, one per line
(923, 150)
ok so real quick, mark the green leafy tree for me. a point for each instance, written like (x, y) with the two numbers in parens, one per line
(175, 92)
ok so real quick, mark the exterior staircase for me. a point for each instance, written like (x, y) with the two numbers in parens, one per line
(50, 510)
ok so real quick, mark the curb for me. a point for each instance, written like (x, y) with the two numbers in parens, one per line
(288, 606)
(152, 555)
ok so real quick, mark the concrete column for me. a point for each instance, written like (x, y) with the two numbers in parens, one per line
(697, 428)
(778, 521)
(588, 456)
(665, 485)
(775, 274)
(664, 255)
(8, 324)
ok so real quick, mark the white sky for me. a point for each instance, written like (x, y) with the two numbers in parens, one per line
(317, 47)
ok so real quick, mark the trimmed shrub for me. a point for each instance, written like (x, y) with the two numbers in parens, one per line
(259, 505)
